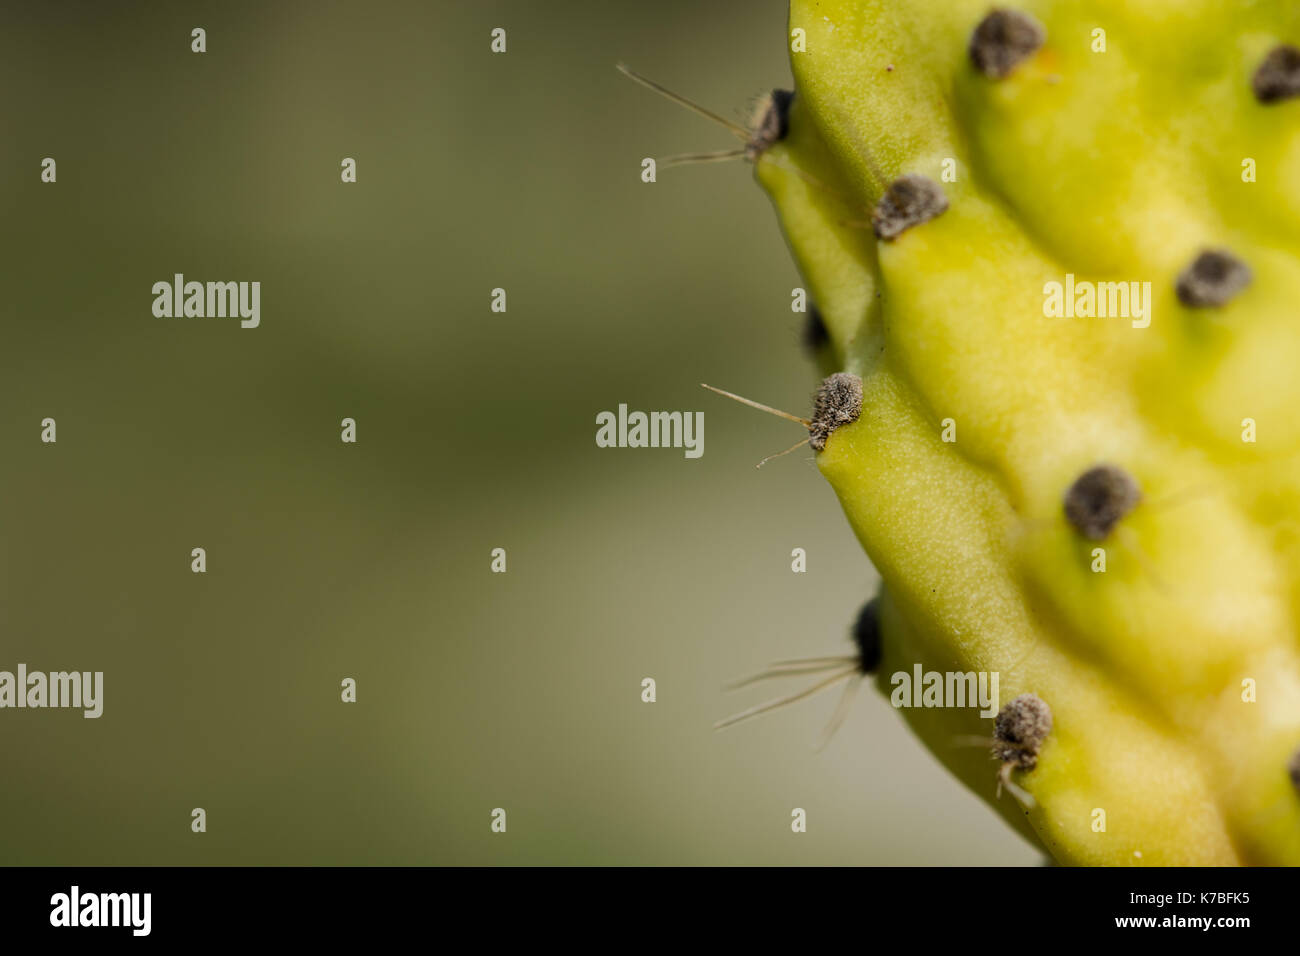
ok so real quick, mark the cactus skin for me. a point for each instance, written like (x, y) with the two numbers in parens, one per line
(1124, 166)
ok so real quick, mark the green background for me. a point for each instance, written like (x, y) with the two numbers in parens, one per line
(476, 430)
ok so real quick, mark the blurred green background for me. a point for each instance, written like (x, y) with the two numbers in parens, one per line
(476, 430)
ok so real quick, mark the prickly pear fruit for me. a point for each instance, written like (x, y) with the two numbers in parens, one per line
(1089, 489)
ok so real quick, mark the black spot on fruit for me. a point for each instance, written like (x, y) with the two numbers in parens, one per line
(909, 201)
(1278, 77)
(815, 335)
(866, 635)
(772, 123)
(1020, 729)
(838, 402)
(1003, 40)
(1293, 769)
(1098, 499)
(1213, 279)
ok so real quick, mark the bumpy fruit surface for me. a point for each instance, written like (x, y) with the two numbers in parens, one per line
(943, 163)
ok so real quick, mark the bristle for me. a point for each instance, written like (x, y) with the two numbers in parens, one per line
(680, 100)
